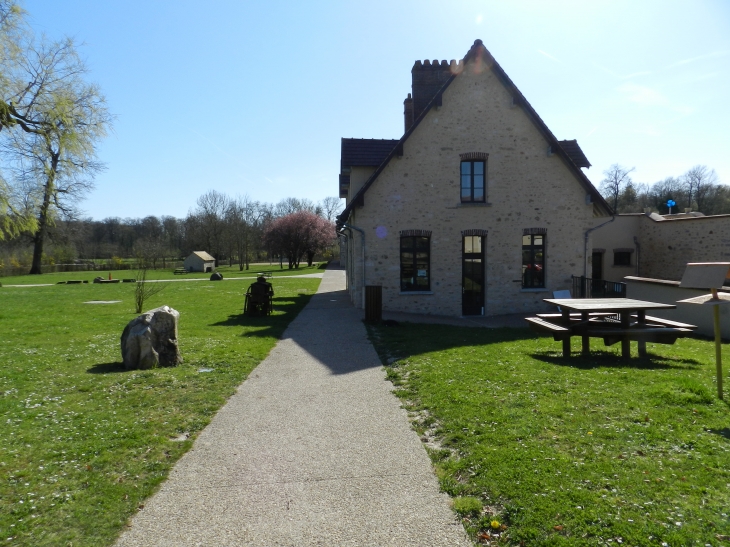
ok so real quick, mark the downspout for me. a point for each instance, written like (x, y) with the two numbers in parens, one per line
(344, 241)
(585, 248)
(638, 254)
(362, 233)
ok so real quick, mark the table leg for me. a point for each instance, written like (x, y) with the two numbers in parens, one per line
(625, 342)
(586, 339)
(641, 316)
(566, 340)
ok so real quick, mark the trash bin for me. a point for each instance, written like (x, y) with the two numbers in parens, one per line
(373, 303)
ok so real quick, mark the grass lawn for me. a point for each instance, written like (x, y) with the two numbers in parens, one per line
(228, 272)
(83, 442)
(579, 451)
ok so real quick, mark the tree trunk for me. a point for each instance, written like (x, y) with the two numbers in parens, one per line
(40, 235)
(310, 259)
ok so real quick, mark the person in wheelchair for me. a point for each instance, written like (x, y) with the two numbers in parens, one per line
(259, 297)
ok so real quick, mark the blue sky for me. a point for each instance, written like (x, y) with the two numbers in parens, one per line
(252, 98)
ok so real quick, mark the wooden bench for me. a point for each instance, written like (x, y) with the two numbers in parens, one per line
(540, 325)
(667, 322)
(573, 316)
(180, 271)
(656, 335)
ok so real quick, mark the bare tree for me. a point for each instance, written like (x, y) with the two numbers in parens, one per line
(245, 219)
(331, 207)
(143, 290)
(210, 221)
(616, 178)
(287, 206)
(698, 182)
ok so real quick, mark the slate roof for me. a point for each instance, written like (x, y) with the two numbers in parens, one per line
(575, 153)
(365, 152)
(479, 50)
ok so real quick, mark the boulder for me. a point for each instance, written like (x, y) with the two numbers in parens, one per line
(150, 340)
(216, 277)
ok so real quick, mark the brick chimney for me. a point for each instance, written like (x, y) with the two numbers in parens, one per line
(408, 112)
(427, 78)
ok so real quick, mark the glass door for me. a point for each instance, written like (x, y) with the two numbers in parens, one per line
(472, 278)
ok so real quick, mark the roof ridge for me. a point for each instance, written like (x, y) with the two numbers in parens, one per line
(478, 50)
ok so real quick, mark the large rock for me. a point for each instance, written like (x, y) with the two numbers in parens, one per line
(150, 340)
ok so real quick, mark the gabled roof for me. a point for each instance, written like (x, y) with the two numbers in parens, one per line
(203, 256)
(364, 152)
(575, 153)
(479, 51)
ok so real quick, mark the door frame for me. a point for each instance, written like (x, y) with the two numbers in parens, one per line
(482, 255)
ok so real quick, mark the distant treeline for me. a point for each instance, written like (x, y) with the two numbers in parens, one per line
(230, 229)
(698, 189)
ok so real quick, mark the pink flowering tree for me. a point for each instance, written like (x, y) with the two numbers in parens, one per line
(298, 235)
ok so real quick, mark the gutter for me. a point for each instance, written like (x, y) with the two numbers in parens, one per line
(343, 241)
(362, 234)
(585, 244)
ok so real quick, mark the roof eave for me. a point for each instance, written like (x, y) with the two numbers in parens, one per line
(397, 150)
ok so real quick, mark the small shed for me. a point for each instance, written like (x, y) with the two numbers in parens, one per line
(199, 261)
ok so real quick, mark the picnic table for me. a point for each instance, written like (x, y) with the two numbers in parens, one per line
(613, 319)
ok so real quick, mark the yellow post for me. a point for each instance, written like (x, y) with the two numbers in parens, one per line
(718, 343)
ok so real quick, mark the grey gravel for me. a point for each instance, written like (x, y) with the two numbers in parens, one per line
(313, 449)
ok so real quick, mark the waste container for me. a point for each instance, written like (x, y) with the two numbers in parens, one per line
(373, 303)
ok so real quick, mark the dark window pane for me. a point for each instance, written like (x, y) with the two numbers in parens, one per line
(465, 168)
(414, 266)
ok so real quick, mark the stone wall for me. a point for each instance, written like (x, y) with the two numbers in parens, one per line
(667, 246)
(662, 247)
(669, 292)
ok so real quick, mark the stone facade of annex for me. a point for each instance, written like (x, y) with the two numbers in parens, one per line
(659, 247)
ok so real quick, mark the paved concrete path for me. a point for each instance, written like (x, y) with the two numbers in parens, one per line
(313, 449)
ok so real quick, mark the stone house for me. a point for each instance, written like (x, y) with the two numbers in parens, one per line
(656, 246)
(199, 261)
(476, 210)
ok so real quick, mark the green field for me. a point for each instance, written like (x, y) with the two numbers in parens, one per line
(228, 272)
(83, 442)
(578, 451)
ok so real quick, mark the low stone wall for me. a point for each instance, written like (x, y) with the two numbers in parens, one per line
(669, 292)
